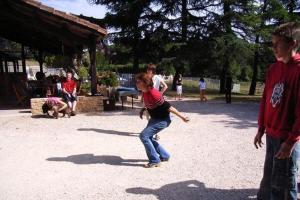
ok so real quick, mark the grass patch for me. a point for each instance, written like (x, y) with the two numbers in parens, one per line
(191, 90)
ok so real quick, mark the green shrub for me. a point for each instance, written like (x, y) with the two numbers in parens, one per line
(107, 78)
(85, 87)
(83, 72)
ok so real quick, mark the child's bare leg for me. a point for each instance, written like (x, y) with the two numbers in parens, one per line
(55, 112)
(74, 106)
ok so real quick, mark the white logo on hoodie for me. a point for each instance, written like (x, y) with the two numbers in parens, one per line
(277, 94)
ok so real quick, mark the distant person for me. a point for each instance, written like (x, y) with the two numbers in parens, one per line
(179, 87)
(202, 87)
(158, 81)
(159, 110)
(69, 93)
(57, 85)
(228, 88)
(40, 87)
(279, 117)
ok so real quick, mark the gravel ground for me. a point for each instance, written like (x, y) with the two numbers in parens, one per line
(99, 156)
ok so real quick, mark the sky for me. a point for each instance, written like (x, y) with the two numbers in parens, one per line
(77, 7)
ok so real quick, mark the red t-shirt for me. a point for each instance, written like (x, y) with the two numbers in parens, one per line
(69, 85)
(152, 98)
(279, 113)
(157, 107)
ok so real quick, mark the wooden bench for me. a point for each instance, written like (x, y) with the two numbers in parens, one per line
(84, 104)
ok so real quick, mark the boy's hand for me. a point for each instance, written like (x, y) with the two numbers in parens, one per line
(285, 151)
(186, 119)
(142, 112)
(257, 140)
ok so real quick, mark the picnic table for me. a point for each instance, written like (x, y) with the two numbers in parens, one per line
(127, 91)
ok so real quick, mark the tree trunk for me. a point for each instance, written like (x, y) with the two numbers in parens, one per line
(184, 20)
(255, 64)
(136, 49)
(228, 31)
(175, 80)
(223, 76)
(291, 6)
(256, 53)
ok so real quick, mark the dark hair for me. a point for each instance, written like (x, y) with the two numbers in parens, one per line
(46, 108)
(145, 78)
(289, 31)
(39, 76)
(151, 67)
(201, 79)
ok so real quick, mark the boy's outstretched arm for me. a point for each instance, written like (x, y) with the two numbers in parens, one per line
(176, 112)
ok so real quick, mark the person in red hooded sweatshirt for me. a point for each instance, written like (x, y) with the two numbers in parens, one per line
(279, 117)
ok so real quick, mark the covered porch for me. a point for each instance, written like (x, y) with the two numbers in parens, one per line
(46, 30)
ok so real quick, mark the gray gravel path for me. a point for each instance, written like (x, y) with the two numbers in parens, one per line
(94, 156)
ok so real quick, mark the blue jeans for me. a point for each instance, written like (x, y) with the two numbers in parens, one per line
(279, 178)
(154, 150)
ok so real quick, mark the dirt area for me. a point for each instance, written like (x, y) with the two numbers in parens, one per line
(99, 156)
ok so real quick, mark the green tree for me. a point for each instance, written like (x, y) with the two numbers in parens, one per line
(126, 17)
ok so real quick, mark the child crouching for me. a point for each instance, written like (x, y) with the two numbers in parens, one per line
(57, 106)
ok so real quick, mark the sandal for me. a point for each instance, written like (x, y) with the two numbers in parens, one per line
(151, 165)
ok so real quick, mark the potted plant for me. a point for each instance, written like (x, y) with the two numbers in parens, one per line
(83, 84)
(110, 81)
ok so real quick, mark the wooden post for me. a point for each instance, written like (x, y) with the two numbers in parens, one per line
(15, 66)
(18, 67)
(78, 59)
(6, 65)
(40, 60)
(23, 59)
(92, 51)
(1, 66)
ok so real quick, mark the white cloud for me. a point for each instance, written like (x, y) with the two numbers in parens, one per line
(76, 7)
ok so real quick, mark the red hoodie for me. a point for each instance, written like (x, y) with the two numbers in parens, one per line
(279, 113)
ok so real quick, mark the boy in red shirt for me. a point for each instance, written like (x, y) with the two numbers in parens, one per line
(69, 93)
(279, 117)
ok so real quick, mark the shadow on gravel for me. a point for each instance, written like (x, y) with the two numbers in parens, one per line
(242, 114)
(194, 190)
(112, 132)
(118, 112)
(85, 159)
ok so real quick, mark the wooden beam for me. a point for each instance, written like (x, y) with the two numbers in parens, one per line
(92, 51)
(37, 26)
(23, 59)
(40, 34)
(59, 16)
(28, 37)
